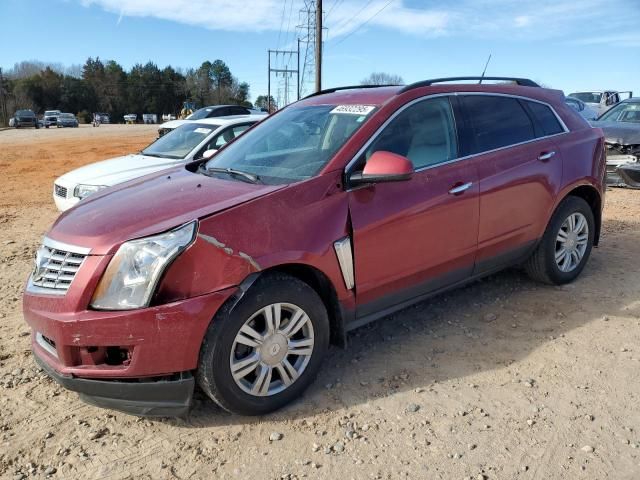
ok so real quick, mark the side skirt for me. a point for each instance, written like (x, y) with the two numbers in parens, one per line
(490, 267)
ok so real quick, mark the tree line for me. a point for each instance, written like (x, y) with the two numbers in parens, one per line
(105, 86)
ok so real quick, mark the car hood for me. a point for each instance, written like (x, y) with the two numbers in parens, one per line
(116, 170)
(153, 204)
(620, 132)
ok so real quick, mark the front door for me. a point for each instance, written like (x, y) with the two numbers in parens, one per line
(413, 237)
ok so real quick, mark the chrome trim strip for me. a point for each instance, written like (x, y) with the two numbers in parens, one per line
(345, 259)
(449, 94)
(31, 288)
(50, 349)
(48, 242)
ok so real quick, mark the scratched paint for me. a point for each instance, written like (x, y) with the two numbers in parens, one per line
(229, 251)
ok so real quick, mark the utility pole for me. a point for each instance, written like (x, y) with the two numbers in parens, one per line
(308, 28)
(3, 102)
(318, 45)
(286, 72)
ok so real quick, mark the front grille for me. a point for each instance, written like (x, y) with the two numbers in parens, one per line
(55, 269)
(60, 191)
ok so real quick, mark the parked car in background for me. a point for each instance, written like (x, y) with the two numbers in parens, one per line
(600, 101)
(12, 122)
(621, 127)
(67, 120)
(188, 142)
(166, 117)
(51, 118)
(104, 117)
(25, 118)
(149, 118)
(213, 111)
(237, 271)
(130, 118)
(582, 108)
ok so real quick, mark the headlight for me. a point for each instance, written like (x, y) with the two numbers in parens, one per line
(134, 271)
(83, 191)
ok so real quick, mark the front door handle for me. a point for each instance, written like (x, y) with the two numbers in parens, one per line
(544, 156)
(460, 188)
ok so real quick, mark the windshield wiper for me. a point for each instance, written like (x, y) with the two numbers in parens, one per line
(238, 173)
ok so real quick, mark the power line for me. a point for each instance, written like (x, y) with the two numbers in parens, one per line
(335, 4)
(349, 20)
(364, 23)
(284, 7)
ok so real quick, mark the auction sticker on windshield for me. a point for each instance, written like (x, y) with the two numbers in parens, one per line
(202, 130)
(354, 109)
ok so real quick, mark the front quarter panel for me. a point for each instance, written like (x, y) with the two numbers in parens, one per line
(295, 225)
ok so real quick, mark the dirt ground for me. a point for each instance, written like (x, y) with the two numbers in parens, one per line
(504, 379)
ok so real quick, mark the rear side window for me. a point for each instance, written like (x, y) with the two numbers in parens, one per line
(545, 118)
(497, 122)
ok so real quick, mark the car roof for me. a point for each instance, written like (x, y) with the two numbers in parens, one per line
(380, 95)
(631, 100)
(230, 120)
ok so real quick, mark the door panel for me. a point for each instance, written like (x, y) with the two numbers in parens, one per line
(413, 237)
(517, 192)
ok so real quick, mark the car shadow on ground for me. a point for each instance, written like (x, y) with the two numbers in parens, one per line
(487, 325)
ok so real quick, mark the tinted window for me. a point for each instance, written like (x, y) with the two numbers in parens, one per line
(239, 111)
(424, 133)
(545, 118)
(497, 122)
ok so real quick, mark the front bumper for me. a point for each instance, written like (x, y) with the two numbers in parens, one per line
(169, 397)
(127, 360)
(63, 203)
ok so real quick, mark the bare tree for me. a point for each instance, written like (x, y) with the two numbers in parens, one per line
(382, 78)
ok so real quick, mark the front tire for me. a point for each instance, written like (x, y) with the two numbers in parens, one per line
(566, 244)
(265, 351)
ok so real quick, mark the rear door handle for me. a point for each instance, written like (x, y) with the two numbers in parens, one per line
(544, 156)
(460, 188)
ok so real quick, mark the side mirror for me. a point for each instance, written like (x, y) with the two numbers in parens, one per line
(209, 153)
(384, 166)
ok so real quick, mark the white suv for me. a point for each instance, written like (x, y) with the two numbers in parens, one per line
(51, 118)
(188, 142)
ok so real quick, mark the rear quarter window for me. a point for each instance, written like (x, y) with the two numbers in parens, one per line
(497, 122)
(546, 119)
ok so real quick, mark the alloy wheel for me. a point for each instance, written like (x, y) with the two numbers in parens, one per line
(571, 242)
(272, 349)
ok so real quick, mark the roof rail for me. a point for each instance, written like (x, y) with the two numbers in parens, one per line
(350, 87)
(525, 82)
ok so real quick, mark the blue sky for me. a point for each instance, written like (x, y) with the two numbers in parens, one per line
(567, 44)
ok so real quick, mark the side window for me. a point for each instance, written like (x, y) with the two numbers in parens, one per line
(425, 133)
(225, 137)
(497, 121)
(239, 111)
(545, 118)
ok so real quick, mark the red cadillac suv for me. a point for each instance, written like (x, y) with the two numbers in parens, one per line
(238, 271)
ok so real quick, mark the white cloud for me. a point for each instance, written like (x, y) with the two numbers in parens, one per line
(570, 21)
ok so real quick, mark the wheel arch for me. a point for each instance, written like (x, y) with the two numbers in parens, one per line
(590, 195)
(317, 280)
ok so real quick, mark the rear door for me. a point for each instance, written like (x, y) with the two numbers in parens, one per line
(416, 236)
(519, 169)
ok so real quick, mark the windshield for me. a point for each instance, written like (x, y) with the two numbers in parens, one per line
(623, 112)
(200, 114)
(25, 113)
(293, 145)
(66, 115)
(588, 97)
(52, 112)
(179, 142)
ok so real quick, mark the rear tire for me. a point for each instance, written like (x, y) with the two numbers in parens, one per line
(286, 361)
(566, 244)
